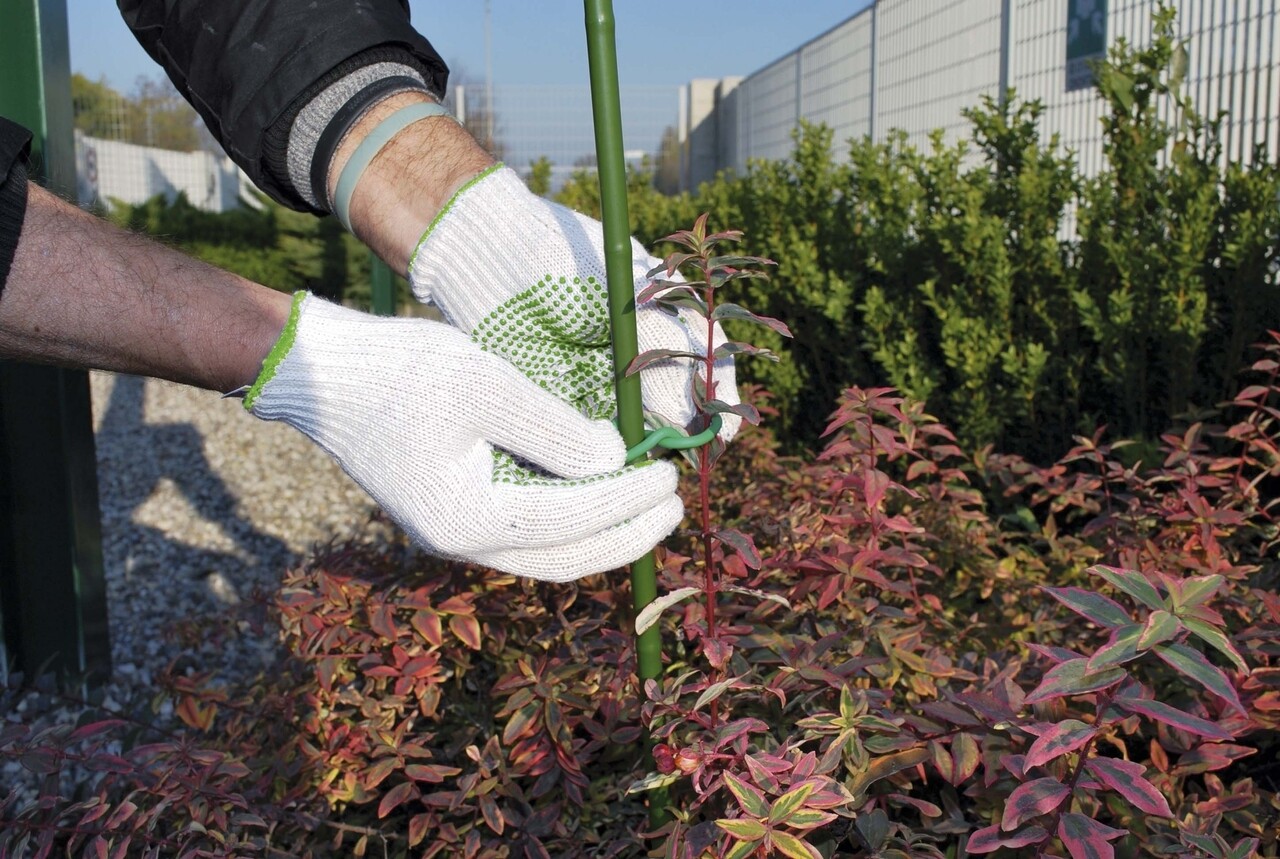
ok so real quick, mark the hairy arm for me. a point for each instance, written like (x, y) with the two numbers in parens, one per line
(409, 181)
(84, 293)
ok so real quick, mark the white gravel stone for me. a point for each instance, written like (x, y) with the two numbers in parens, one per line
(202, 506)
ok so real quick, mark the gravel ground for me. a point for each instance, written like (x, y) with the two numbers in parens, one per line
(201, 504)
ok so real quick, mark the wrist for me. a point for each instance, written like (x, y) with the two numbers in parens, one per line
(409, 180)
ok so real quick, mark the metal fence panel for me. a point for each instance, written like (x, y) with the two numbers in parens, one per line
(836, 78)
(932, 60)
(915, 64)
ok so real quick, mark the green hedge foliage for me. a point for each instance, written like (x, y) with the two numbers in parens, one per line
(1025, 301)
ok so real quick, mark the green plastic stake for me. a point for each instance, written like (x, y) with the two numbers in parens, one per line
(606, 109)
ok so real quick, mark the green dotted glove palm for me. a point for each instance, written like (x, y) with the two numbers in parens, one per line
(526, 279)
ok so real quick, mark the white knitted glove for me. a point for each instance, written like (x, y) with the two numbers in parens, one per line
(416, 413)
(526, 278)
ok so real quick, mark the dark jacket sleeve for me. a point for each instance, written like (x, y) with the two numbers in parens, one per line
(15, 143)
(249, 66)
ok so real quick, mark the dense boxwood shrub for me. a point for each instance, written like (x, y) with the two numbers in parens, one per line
(1025, 302)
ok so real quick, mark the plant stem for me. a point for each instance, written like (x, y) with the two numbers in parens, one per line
(704, 466)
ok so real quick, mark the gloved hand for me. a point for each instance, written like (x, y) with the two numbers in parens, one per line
(415, 413)
(525, 277)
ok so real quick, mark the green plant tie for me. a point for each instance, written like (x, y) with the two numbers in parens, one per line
(672, 439)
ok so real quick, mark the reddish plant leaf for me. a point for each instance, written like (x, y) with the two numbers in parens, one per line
(1086, 838)
(397, 796)
(1103, 611)
(467, 629)
(1192, 663)
(1211, 757)
(734, 311)
(1031, 799)
(727, 350)
(653, 356)
(1174, 718)
(985, 840)
(964, 748)
(418, 825)
(1061, 738)
(740, 543)
(1133, 583)
(746, 411)
(1073, 678)
(1129, 780)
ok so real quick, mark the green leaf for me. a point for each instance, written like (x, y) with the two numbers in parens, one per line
(1178, 64)
(760, 595)
(784, 805)
(743, 828)
(795, 848)
(1216, 639)
(653, 781)
(733, 347)
(1103, 611)
(1192, 663)
(712, 692)
(1193, 591)
(1161, 627)
(750, 798)
(1133, 583)
(741, 850)
(810, 818)
(1121, 648)
(649, 615)
(733, 311)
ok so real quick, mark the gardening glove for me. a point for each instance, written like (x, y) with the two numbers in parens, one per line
(415, 412)
(525, 277)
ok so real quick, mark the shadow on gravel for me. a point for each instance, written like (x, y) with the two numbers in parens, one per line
(172, 451)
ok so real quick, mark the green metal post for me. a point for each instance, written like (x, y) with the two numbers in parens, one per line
(607, 111)
(52, 589)
(606, 108)
(382, 285)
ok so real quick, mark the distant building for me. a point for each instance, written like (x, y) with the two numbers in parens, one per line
(914, 64)
(108, 170)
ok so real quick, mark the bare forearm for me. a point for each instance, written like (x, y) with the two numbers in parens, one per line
(84, 293)
(409, 181)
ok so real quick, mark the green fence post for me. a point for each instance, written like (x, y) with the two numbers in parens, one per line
(607, 112)
(383, 287)
(52, 589)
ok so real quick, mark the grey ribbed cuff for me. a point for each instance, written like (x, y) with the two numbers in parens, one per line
(313, 119)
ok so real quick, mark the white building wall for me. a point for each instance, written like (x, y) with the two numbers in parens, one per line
(112, 170)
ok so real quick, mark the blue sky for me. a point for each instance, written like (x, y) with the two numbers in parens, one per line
(541, 41)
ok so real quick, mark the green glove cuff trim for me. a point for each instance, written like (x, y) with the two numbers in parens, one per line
(444, 210)
(281, 348)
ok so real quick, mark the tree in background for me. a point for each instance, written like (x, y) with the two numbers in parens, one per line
(154, 115)
(539, 180)
(666, 177)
